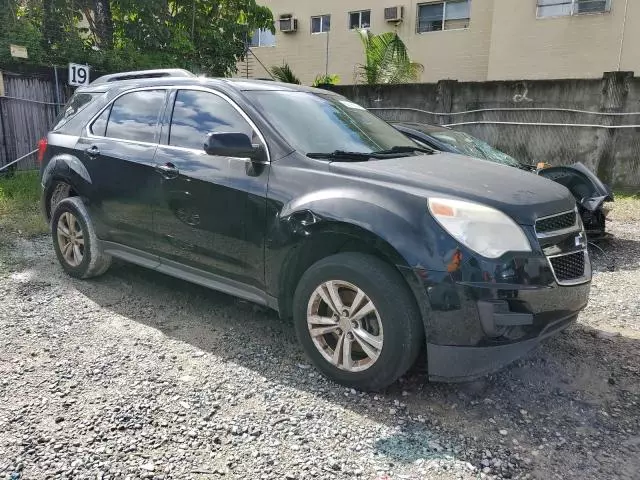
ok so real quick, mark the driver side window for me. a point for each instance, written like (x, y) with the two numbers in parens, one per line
(196, 114)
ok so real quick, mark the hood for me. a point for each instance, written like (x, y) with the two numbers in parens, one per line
(523, 196)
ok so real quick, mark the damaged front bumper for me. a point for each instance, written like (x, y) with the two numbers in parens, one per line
(512, 322)
(485, 313)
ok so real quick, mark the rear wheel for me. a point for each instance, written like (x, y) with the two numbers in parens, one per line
(75, 242)
(60, 192)
(357, 320)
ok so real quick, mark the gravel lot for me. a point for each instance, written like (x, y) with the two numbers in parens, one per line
(137, 375)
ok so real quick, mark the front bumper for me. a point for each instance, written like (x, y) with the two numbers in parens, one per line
(449, 363)
(477, 327)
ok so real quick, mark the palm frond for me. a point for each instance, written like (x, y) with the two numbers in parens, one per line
(387, 59)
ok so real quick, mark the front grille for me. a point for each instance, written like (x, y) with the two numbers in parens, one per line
(568, 267)
(556, 222)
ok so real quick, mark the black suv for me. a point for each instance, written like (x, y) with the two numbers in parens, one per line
(303, 201)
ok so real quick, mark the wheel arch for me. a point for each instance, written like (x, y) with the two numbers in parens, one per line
(333, 237)
(63, 169)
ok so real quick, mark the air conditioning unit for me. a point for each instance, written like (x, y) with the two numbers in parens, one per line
(288, 23)
(394, 14)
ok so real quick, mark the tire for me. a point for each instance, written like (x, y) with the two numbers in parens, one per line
(394, 325)
(60, 192)
(70, 215)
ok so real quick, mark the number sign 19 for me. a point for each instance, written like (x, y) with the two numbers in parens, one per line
(78, 75)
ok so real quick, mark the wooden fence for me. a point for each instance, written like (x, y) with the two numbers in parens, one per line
(28, 106)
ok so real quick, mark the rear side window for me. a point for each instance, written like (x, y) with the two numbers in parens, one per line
(77, 103)
(133, 116)
(196, 113)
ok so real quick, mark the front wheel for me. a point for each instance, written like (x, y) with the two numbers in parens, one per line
(357, 320)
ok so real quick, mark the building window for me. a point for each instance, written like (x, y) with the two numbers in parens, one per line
(321, 24)
(361, 19)
(560, 8)
(262, 38)
(447, 15)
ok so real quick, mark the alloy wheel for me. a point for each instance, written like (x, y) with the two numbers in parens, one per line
(70, 239)
(345, 326)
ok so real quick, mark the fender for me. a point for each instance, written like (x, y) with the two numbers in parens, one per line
(398, 219)
(65, 167)
(581, 182)
(62, 168)
(323, 222)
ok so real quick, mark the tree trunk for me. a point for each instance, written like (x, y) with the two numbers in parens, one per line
(103, 23)
(51, 28)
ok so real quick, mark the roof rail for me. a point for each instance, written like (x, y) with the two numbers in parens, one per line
(167, 72)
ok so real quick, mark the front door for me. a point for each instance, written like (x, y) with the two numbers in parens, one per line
(118, 151)
(211, 210)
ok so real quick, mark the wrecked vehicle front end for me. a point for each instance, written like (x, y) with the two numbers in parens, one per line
(592, 196)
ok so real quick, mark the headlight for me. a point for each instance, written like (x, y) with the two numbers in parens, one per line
(483, 229)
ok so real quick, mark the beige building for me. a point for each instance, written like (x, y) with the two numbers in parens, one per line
(466, 40)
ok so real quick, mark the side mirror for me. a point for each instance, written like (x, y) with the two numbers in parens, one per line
(232, 144)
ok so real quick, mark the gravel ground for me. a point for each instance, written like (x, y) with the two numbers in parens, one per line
(137, 375)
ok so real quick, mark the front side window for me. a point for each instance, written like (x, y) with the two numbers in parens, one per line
(196, 114)
(446, 15)
(361, 19)
(324, 123)
(321, 24)
(262, 38)
(559, 8)
(134, 116)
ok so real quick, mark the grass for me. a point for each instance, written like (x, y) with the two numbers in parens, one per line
(19, 204)
(626, 207)
(627, 195)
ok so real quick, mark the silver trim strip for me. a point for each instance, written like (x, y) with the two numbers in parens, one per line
(586, 274)
(554, 233)
(89, 134)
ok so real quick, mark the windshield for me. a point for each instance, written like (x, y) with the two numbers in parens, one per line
(313, 122)
(468, 145)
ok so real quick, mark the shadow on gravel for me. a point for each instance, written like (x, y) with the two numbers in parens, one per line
(571, 406)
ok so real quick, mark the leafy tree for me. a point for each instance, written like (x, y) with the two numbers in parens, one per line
(20, 26)
(205, 36)
(387, 59)
(284, 74)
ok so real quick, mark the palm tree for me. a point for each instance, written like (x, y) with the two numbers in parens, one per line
(387, 59)
(284, 74)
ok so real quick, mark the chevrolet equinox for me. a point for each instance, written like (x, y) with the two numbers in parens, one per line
(303, 201)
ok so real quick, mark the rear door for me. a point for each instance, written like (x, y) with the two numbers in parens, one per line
(118, 149)
(211, 209)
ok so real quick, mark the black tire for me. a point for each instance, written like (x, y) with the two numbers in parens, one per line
(94, 261)
(60, 191)
(395, 304)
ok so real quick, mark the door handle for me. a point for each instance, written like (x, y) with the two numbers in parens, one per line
(93, 151)
(168, 170)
